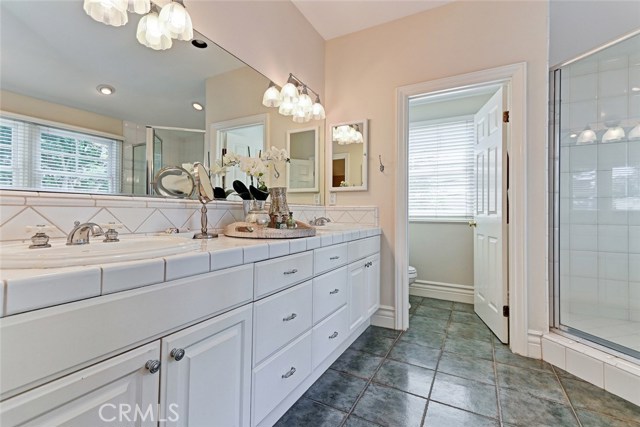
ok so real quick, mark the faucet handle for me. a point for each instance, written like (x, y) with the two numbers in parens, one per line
(39, 239)
(111, 235)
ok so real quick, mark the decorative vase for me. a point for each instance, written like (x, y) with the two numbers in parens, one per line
(278, 201)
(246, 206)
(257, 214)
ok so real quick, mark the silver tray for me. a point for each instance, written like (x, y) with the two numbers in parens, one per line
(247, 230)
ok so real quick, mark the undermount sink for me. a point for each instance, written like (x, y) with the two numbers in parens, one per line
(19, 256)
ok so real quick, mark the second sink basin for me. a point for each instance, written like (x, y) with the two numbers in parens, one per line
(19, 256)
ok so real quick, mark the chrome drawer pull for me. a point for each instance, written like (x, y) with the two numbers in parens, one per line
(294, 271)
(288, 374)
(290, 317)
(335, 291)
(334, 258)
(153, 366)
(333, 335)
(177, 354)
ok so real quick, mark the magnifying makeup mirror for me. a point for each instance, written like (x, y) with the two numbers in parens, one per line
(205, 195)
(174, 181)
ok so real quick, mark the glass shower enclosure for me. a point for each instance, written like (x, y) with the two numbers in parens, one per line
(595, 196)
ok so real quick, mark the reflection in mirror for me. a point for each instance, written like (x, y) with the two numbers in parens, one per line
(302, 145)
(205, 195)
(174, 181)
(348, 166)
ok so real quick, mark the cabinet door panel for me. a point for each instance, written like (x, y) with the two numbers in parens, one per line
(119, 391)
(373, 284)
(357, 294)
(211, 384)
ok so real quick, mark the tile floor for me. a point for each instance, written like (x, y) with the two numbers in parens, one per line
(448, 370)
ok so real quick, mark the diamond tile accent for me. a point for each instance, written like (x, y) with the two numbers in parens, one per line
(132, 218)
(63, 217)
(155, 222)
(14, 229)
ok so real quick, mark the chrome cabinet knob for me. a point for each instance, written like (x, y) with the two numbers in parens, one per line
(289, 373)
(152, 366)
(177, 354)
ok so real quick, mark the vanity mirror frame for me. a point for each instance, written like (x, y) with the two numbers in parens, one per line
(364, 129)
(316, 163)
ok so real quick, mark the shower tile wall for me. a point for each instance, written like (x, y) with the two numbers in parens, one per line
(600, 195)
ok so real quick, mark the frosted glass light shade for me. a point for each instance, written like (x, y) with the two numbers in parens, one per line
(317, 110)
(305, 102)
(289, 93)
(177, 21)
(587, 136)
(110, 12)
(300, 115)
(286, 108)
(152, 33)
(271, 97)
(139, 6)
(634, 134)
(613, 134)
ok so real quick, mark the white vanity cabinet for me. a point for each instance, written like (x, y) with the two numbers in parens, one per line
(206, 373)
(364, 280)
(372, 280)
(120, 391)
(357, 294)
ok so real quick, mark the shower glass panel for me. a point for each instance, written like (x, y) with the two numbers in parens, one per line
(596, 196)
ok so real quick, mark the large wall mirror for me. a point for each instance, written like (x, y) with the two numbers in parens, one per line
(53, 59)
(347, 157)
(302, 169)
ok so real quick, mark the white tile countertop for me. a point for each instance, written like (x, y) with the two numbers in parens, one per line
(24, 290)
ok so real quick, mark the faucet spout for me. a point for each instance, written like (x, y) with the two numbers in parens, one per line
(81, 232)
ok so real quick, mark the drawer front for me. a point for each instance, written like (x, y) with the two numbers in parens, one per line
(280, 375)
(329, 293)
(280, 273)
(329, 334)
(328, 258)
(280, 318)
(362, 248)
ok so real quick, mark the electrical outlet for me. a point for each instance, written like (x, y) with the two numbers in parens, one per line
(316, 199)
(332, 198)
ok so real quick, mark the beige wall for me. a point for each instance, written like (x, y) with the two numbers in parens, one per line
(32, 107)
(442, 252)
(247, 87)
(271, 36)
(364, 69)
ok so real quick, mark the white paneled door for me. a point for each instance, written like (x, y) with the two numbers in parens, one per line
(490, 228)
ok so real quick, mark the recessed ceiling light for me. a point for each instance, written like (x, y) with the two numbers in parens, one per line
(200, 44)
(573, 135)
(197, 106)
(635, 89)
(106, 89)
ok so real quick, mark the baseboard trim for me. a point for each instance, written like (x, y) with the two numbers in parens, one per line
(440, 290)
(385, 317)
(534, 344)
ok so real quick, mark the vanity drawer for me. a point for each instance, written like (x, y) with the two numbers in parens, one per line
(362, 248)
(280, 318)
(279, 376)
(275, 274)
(328, 258)
(329, 293)
(329, 334)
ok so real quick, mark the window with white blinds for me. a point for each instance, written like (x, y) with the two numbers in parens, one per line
(35, 156)
(441, 169)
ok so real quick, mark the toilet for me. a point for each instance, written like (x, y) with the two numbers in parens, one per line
(412, 275)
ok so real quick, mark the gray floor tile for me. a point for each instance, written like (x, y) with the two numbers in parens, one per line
(466, 394)
(415, 300)
(470, 348)
(469, 331)
(460, 306)
(424, 337)
(439, 303)
(462, 317)
(436, 312)
(505, 356)
(354, 362)
(594, 419)
(390, 407)
(354, 421)
(378, 331)
(415, 354)
(524, 409)
(336, 389)
(374, 344)
(467, 367)
(444, 416)
(409, 378)
(539, 383)
(423, 323)
(587, 396)
(308, 413)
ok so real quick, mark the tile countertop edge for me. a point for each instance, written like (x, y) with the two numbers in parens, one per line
(225, 253)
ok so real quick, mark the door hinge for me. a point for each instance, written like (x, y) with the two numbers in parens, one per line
(505, 117)
(505, 310)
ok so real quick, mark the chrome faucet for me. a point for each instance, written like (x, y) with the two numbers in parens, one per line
(319, 221)
(80, 233)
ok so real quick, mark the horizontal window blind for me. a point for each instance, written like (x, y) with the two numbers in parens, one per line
(35, 156)
(441, 169)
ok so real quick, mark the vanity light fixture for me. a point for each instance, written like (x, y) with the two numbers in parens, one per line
(587, 136)
(197, 106)
(347, 134)
(155, 29)
(614, 134)
(635, 89)
(294, 100)
(105, 89)
(634, 133)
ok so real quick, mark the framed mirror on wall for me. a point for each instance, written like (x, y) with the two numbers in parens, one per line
(347, 156)
(302, 169)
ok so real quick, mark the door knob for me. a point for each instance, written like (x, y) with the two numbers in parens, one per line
(473, 223)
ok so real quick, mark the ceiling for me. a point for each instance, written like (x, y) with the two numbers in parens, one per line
(335, 18)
